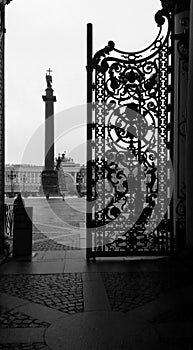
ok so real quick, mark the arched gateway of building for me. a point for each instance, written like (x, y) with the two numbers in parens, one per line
(139, 173)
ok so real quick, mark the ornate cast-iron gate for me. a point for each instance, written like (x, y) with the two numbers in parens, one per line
(129, 150)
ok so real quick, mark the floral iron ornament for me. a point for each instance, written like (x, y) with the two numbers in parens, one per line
(130, 183)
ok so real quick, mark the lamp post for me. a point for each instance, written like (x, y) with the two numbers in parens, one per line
(12, 176)
(24, 182)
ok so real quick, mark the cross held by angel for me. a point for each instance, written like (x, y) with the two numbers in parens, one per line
(49, 78)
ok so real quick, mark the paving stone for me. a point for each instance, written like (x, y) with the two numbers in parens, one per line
(24, 346)
(41, 242)
(13, 319)
(99, 330)
(56, 291)
(129, 290)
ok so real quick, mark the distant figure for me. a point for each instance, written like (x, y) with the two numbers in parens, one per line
(47, 196)
(58, 162)
(19, 202)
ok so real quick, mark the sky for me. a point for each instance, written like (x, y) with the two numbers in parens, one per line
(42, 34)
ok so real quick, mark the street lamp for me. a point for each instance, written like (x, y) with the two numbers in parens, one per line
(12, 176)
(24, 182)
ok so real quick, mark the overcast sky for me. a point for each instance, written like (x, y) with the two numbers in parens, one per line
(44, 34)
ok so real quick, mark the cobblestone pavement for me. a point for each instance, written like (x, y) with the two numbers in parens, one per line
(41, 242)
(63, 292)
(129, 290)
(13, 319)
(24, 346)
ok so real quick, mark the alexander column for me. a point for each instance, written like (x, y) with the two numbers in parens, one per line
(49, 175)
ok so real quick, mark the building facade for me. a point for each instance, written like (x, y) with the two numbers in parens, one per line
(23, 178)
(26, 178)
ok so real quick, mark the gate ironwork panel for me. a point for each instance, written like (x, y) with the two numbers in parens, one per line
(129, 147)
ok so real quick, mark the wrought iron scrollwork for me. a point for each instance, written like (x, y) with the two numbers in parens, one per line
(167, 8)
(175, 6)
(8, 236)
(9, 220)
(98, 60)
(131, 127)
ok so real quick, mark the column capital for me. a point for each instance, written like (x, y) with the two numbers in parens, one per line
(49, 98)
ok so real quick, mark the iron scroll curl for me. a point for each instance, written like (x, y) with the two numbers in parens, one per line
(130, 152)
(100, 60)
(122, 192)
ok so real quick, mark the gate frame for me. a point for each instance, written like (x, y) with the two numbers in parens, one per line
(160, 19)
